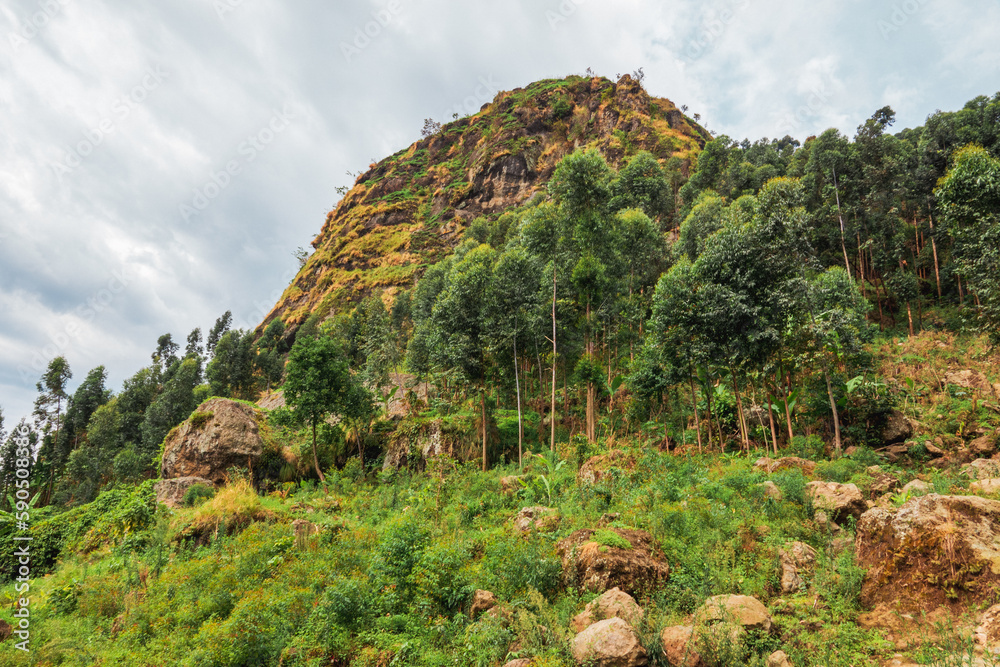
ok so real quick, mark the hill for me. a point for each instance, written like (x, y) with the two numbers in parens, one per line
(410, 209)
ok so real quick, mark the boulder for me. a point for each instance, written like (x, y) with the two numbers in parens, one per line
(482, 601)
(740, 610)
(933, 550)
(520, 662)
(968, 379)
(987, 633)
(609, 643)
(916, 487)
(983, 446)
(795, 559)
(986, 486)
(882, 482)
(611, 604)
(219, 435)
(510, 484)
(596, 467)
(772, 491)
(769, 465)
(840, 501)
(897, 428)
(544, 519)
(678, 647)
(5, 630)
(589, 565)
(778, 659)
(982, 469)
(171, 492)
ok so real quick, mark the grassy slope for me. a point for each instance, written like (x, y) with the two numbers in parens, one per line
(399, 554)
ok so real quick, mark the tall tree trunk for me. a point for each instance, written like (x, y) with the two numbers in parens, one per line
(840, 216)
(520, 424)
(319, 473)
(708, 407)
(589, 343)
(770, 419)
(482, 403)
(788, 412)
(552, 413)
(697, 420)
(937, 271)
(744, 436)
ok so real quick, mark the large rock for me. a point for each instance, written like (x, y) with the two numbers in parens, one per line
(897, 428)
(413, 448)
(984, 446)
(589, 565)
(933, 550)
(795, 560)
(171, 492)
(987, 486)
(219, 435)
(968, 379)
(611, 604)
(678, 647)
(596, 467)
(609, 643)
(982, 469)
(881, 482)
(987, 633)
(769, 465)
(482, 601)
(778, 659)
(543, 519)
(740, 610)
(839, 501)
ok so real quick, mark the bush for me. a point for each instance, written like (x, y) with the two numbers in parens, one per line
(197, 494)
(517, 564)
(439, 580)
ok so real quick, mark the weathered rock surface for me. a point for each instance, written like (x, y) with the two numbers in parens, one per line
(678, 647)
(982, 469)
(839, 501)
(543, 519)
(596, 467)
(171, 492)
(934, 550)
(740, 610)
(769, 465)
(968, 379)
(772, 491)
(510, 484)
(987, 486)
(916, 487)
(983, 446)
(795, 559)
(609, 643)
(590, 566)
(482, 601)
(219, 435)
(897, 428)
(778, 659)
(520, 662)
(612, 603)
(882, 482)
(413, 449)
(987, 633)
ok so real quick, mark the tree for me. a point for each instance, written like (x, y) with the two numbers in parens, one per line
(215, 334)
(173, 405)
(166, 352)
(231, 373)
(268, 353)
(319, 383)
(48, 414)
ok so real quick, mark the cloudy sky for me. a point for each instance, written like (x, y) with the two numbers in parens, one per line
(160, 162)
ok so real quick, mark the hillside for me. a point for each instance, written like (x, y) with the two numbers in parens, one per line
(409, 210)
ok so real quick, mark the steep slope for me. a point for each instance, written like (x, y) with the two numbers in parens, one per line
(410, 209)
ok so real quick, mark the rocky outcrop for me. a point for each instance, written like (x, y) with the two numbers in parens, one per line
(772, 491)
(590, 565)
(933, 550)
(796, 559)
(987, 633)
(968, 379)
(482, 601)
(778, 659)
(897, 428)
(839, 501)
(414, 448)
(171, 492)
(612, 603)
(983, 446)
(219, 435)
(543, 519)
(769, 465)
(596, 467)
(881, 482)
(982, 469)
(678, 647)
(988, 487)
(609, 643)
(740, 610)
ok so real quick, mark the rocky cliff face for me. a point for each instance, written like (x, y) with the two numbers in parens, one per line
(410, 209)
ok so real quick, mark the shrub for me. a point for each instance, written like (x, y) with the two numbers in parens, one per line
(439, 580)
(609, 538)
(197, 494)
(516, 564)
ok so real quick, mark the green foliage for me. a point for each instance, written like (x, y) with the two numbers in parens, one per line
(197, 494)
(609, 538)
